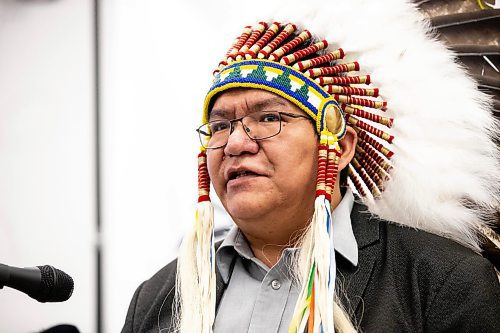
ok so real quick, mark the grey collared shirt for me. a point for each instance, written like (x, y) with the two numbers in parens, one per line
(262, 299)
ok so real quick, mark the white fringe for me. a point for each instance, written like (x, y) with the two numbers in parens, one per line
(195, 282)
(317, 247)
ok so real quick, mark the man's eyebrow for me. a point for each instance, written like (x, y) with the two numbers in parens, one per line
(217, 113)
(266, 103)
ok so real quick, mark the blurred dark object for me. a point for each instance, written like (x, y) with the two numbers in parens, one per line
(62, 329)
(491, 246)
(474, 34)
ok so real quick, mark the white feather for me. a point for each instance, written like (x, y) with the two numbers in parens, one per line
(446, 174)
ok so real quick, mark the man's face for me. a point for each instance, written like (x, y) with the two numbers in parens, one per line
(269, 178)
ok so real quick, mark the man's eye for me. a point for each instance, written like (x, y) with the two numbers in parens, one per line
(269, 117)
(218, 126)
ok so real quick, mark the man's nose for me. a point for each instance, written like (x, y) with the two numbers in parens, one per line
(239, 141)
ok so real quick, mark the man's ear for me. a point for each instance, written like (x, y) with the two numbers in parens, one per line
(348, 146)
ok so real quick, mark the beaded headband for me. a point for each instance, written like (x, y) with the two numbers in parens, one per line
(282, 80)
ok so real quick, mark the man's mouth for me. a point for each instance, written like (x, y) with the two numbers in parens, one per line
(239, 174)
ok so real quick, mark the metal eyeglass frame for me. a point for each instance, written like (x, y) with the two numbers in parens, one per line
(246, 129)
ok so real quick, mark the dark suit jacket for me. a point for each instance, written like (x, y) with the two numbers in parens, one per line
(406, 281)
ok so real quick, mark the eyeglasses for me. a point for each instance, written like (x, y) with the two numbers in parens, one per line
(257, 125)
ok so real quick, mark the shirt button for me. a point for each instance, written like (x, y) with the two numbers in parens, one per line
(275, 284)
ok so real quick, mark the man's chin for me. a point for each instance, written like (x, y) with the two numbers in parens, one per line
(246, 207)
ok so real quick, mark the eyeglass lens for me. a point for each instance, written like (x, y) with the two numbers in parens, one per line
(257, 125)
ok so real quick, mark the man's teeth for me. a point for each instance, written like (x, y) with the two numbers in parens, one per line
(242, 174)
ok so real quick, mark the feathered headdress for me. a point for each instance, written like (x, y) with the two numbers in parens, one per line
(425, 158)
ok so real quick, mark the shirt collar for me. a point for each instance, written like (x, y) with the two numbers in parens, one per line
(343, 236)
(343, 239)
(233, 243)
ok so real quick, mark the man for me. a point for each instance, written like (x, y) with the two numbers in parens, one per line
(305, 255)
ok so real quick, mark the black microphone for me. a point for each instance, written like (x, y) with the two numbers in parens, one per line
(43, 283)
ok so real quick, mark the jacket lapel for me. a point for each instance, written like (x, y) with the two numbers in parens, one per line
(219, 287)
(355, 280)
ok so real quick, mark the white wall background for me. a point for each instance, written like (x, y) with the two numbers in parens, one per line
(154, 82)
(156, 62)
(46, 156)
